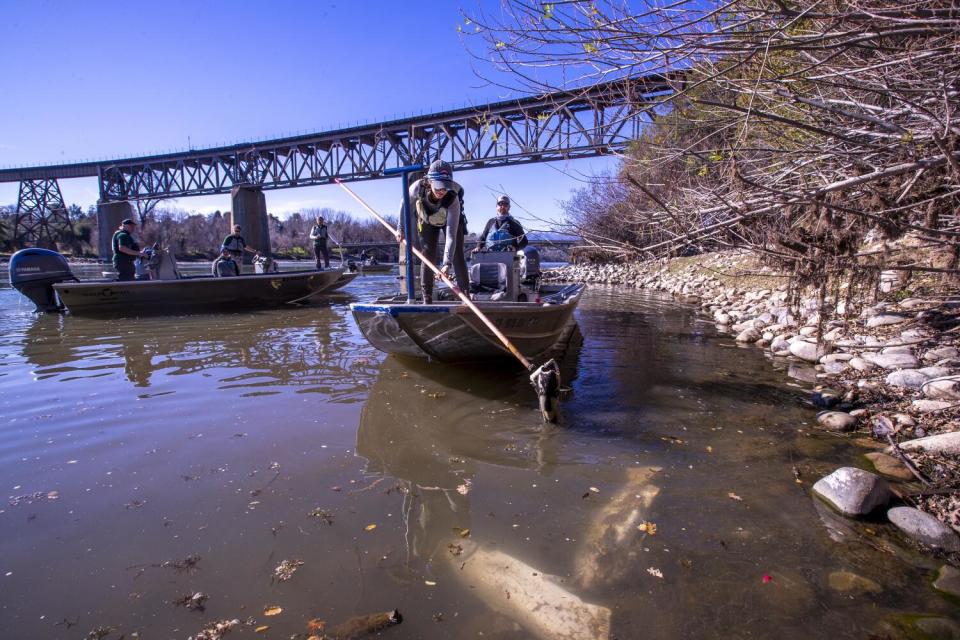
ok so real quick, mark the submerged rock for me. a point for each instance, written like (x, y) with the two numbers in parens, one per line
(948, 580)
(853, 492)
(845, 582)
(889, 466)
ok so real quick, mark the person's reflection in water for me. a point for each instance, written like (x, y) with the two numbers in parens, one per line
(137, 362)
(434, 428)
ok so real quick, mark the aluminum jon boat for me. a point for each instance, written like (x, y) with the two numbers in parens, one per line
(44, 276)
(532, 318)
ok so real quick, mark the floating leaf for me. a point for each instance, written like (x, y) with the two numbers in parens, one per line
(262, 628)
(370, 527)
(656, 573)
(316, 625)
(272, 611)
(430, 583)
(734, 496)
(460, 531)
(648, 527)
(594, 489)
(464, 489)
(709, 449)
(767, 579)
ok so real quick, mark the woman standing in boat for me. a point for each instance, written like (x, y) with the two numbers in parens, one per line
(435, 201)
(319, 235)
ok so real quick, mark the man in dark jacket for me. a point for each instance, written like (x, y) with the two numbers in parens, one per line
(503, 232)
(125, 250)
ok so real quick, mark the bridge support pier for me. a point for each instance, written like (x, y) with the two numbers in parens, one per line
(249, 210)
(109, 216)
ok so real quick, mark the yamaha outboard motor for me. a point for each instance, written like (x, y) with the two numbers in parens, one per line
(33, 272)
(530, 265)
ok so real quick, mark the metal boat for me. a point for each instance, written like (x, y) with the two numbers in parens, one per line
(45, 277)
(533, 317)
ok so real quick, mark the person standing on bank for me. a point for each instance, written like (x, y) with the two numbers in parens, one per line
(236, 245)
(502, 232)
(319, 235)
(435, 207)
(125, 250)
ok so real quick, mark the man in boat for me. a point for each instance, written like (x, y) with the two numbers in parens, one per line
(502, 232)
(225, 266)
(319, 236)
(125, 250)
(436, 203)
(236, 245)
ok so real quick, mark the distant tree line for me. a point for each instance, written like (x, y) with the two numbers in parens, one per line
(192, 235)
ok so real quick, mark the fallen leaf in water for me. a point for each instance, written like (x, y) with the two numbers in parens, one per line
(53, 495)
(594, 490)
(261, 628)
(709, 449)
(655, 572)
(648, 527)
(286, 569)
(455, 549)
(767, 579)
(734, 496)
(460, 531)
(438, 394)
(430, 583)
(272, 611)
(316, 625)
(464, 489)
(253, 505)
(370, 527)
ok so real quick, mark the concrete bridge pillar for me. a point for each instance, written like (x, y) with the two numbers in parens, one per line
(109, 216)
(249, 210)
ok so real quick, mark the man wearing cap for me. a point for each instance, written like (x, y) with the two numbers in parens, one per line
(435, 203)
(502, 232)
(236, 245)
(125, 250)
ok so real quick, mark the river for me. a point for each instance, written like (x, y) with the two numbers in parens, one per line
(147, 459)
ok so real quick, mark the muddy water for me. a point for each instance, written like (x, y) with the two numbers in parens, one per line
(143, 460)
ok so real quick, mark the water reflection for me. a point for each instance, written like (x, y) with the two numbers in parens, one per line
(433, 426)
(283, 348)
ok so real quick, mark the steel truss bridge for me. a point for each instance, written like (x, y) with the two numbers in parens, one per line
(581, 123)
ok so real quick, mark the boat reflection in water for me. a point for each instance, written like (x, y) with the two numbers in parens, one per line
(306, 348)
(443, 432)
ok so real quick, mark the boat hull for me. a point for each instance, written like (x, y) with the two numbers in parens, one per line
(141, 297)
(450, 332)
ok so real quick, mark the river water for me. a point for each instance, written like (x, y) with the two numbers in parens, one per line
(146, 459)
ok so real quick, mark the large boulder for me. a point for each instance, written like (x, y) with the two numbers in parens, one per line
(885, 319)
(945, 388)
(943, 443)
(924, 528)
(809, 351)
(853, 492)
(892, 360)
(909, 378)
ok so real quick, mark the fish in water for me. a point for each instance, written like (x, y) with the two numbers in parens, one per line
(359, 626)
(613, 531)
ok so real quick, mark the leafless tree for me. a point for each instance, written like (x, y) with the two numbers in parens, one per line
(801, 129)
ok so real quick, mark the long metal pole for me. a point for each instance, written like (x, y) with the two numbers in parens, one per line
(407, 226)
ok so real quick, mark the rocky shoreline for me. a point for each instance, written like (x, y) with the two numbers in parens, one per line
(890, 372)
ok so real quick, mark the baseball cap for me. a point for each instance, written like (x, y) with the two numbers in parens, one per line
(440, 175)
(128, 221)
(504, 200)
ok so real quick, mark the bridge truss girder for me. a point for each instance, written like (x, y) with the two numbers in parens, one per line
(42, 218)
(559, 126)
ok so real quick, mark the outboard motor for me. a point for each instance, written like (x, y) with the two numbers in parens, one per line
(33, 272)
(530, 265)
(265, 264)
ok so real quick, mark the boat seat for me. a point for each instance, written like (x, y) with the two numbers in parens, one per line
(167, 269)
(495, 272)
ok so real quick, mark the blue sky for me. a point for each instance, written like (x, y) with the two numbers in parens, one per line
(90, 80)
